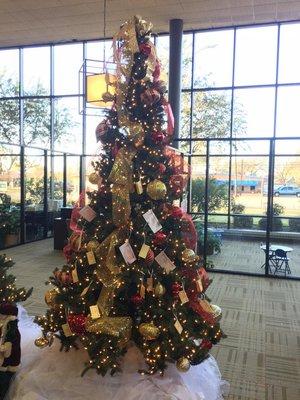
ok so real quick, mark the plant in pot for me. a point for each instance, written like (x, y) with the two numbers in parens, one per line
(12, 232)
(277, 225)
(213, 243)
(244, 221)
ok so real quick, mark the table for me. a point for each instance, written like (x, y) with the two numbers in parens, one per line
(275, 247)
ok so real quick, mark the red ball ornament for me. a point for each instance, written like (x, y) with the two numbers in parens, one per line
(145, 48)
(159, 238)
(149, 257)
(137, 300)
(158, 137)
(176, 184)
(77, 323)
(206, 344)
(102, 129)
(161, 168)
(175, 289)
(176, 212)
(150, 97)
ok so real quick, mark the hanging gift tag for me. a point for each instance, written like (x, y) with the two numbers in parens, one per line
(91, 257)
(84, 292)
(163, 260)
(139, 187)
(75, 275)
(183, 296)
(94, 310)
(66, 330)
(150, 284)
(142, 291)
(206, 306)
(199, 285)
(144, 251)
(87, 213)
(178, 327)
(127, 253)
(152, 221)
(79, 240)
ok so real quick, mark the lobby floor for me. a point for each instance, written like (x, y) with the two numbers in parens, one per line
(261, 356)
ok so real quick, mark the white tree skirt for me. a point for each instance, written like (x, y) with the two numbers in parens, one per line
(47, 374)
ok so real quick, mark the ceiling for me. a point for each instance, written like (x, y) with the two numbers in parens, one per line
(41, 21)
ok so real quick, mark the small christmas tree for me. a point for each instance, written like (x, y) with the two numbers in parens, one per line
(132, 271)
(9, 293)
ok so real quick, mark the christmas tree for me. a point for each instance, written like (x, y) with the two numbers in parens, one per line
(132, 272)
(9, 293)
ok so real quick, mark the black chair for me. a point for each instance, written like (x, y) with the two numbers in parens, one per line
(280, 261)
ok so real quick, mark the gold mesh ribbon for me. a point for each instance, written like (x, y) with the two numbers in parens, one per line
(119, 327)
(122, 186)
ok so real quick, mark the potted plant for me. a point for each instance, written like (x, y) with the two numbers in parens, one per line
(213, 243)
(12, 232)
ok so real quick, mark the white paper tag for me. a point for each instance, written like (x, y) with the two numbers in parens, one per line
(152, 221)
(75, 275)
(87, 213)
(139, 187)
(206, 306)
(163, 260)
(183, 296)
(150, 284)
(90, 258)
(178, 326)
(144, 251)
(199, 285)
(94, 310)
(66, 330)
(142, 291)
(127, 253)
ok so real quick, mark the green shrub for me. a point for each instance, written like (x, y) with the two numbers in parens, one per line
(277, 224)
(243, 222)
(294, 224)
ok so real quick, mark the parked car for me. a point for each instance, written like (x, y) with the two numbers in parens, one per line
(287, 191)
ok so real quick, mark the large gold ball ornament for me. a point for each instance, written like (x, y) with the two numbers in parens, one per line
(41, 342)
(50, 297)
(148, 330)
(188, 256)
(94, 178)
(92, 245)
(156, 190)
(217, 312)
(183, 364)
(159, 290)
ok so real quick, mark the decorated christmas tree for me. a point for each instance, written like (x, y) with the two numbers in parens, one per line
(9, 293)
(132, 272)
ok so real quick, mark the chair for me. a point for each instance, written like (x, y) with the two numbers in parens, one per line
(281, 262)
(271, 255)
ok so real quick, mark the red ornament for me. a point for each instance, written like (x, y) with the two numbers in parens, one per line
(158, 137)
(63, 277)
(77, 323)
(137, 300)
(206, 344)
(150, 96)
(102, 129)
(175, 289)
(149, 257)
(145, 48)
(156, 72)
(177, 184)
(176, 212)
(161, 168)
(159, 238)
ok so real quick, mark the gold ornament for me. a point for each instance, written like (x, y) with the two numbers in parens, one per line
(159, 290)
(148, 330)
(156, 190)
(217, 312)
(94, 178)
(92, 245)
(41, 342)
(50, 296)
(183, 364)
(189, 256)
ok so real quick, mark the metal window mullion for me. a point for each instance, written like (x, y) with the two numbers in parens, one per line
(65, 180)
(190, 180)
(206, 204)
(45, 197)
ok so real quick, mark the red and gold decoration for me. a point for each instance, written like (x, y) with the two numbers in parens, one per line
(149, 331)
(183, 364)
(156, 189)
(77, 323)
